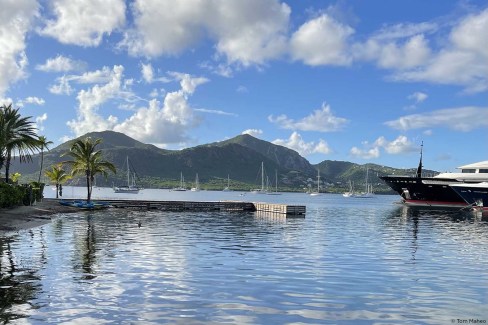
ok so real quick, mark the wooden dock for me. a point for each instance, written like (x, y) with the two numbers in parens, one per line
(199, 206)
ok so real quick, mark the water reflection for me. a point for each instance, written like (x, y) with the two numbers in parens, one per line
(85, 252)
(19, 281)
(346, 261)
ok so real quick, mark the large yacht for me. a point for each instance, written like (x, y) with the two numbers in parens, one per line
(474, 194)
(419, 190)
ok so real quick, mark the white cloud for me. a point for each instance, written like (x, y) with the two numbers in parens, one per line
(151, 124)
(296, 142)
(254, 132)
(62, 87)
(40, 122)
(188, 83)
(242, 90)
(460, 119)
(245, 32)
(470, 34)
(463, 61)
(15, 21)
(321, 41)
(169, 123)
(452, 68)
(90, 100)
(61, 64)
(405, 30)
(321, 120)
(214, 111)
(97, 76)
(392, 54)
(250, 32)
(147, 72)
(84, 22)
(31, 100)
(418, 97)
(372, 151)
(64, 82)
(221, 69)
(400, 145)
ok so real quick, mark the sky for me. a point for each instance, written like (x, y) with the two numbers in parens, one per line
(359, 81)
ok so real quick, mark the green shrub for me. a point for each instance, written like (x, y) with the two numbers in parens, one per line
(11, 195)
(37, 190)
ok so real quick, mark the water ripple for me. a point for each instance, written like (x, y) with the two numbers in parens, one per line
(346, 261)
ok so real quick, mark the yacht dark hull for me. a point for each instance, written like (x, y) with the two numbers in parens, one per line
(476, 196)
(425, 191)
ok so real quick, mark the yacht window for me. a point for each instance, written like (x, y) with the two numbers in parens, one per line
(469, 170)
(484, 171)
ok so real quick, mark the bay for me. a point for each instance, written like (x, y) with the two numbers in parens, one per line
(348, 261)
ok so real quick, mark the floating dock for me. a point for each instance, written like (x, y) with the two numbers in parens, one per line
(279, 208)
(199, 206)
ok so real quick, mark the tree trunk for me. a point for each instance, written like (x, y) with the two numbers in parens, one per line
(88, 186)
(7, 167)
(57, 191)
(42, 162)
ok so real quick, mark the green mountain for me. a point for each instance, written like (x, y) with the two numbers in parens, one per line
(239, 158)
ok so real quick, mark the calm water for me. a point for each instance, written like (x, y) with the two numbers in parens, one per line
(349, 261)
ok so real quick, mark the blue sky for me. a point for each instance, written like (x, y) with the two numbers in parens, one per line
(360, 81)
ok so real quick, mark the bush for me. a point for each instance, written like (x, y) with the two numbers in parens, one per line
(11, 195)
(37, 190)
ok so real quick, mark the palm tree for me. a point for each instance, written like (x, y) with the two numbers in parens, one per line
(88, 161)
(16, 134)
(58, 176)
(43, 143)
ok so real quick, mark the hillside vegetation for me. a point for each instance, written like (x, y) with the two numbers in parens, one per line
(238, 158)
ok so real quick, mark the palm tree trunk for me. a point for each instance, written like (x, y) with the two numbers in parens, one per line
(7, 167)
(42, 162)
(88, 197)
(57, 191)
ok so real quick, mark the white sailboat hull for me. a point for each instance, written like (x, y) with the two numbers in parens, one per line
(123, 189)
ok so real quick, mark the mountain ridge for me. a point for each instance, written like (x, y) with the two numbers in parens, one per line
(238, 158)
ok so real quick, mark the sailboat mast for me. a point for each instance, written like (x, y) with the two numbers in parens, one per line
(318, 181)
(262, 176)
(276, 180)
(128, 172)
(366, 186)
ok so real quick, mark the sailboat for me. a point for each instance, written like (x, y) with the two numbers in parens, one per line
(276, 185)
(197, 185)
(181, 188)
(261, 190)
(368, 188)
(318, 185)
(351, 190)
(227, 188)
(131, 186)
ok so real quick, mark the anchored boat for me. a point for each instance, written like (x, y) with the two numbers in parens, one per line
(419, 190)
(131, 186)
